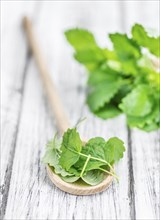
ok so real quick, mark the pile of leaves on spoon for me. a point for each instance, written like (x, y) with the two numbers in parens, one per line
(91, 162)
(125, 79)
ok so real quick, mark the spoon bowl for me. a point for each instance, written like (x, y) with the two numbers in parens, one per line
(77, 188)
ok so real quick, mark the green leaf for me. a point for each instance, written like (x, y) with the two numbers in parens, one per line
(105, 83)
(110, 54)
(90, 55)
(52, 155)
(103, 74)
(94, 177)
(127, 51)
(95, 148)
(108, 111)
(137, 102)
(74, 171)
(150, 77)
(148, 122)
(71, 146)
(125, 48)
(70, 179)
(71, 140)
(80, 39)
(102, 93)
(68, 158)
(55, 143)
(87, 51)
(130, 67)
(150, 127)
(143, 39)
(114, 149)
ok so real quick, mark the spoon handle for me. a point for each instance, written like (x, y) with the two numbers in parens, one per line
(51, 91)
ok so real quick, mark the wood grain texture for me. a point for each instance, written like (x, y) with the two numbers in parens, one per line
(145, 147)
(28, 122)
(15, 59)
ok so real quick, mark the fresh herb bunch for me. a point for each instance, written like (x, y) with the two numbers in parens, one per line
(125, 79)
(92, 161)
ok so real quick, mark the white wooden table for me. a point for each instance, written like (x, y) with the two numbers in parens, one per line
(27, 122)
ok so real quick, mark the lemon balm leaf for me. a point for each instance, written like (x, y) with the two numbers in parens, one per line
(138, 102)
(52, 156)
(94, 177)
(102, 93)
(71, 146)
(125, 47)
(80, 39)
(114, 149)
(141, 36)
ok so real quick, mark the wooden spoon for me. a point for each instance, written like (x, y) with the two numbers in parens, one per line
(61, 118)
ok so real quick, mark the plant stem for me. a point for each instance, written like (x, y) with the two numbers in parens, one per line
(80, 121)
(113, 174)
(95, 158)
(104, 161)
(84, 167)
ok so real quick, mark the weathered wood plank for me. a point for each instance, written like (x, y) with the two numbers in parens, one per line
(14, 64)
(145, 146)
(145, 149)
(31, 194)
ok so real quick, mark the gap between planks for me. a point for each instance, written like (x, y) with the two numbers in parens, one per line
(131, 190)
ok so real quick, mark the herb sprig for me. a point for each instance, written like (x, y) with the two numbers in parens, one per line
(73, 160)
(125, 79)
